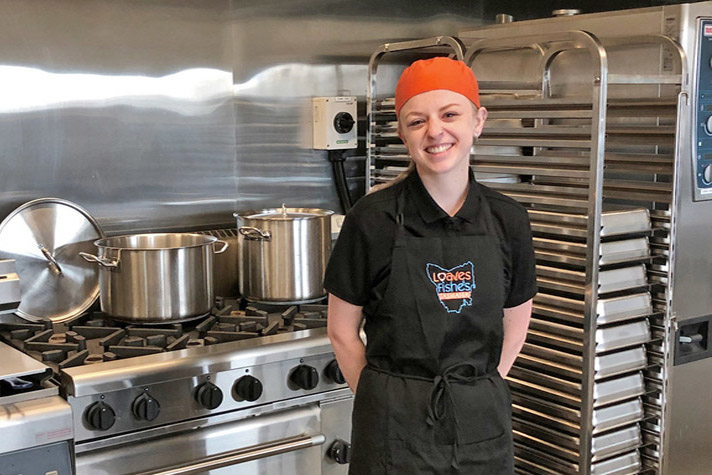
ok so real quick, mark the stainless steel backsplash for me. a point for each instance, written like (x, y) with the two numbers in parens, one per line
(168, 114)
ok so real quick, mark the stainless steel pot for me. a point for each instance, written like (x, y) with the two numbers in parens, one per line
(156, 278)
(283, 254)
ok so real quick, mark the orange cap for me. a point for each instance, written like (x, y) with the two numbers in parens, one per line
(436, 73)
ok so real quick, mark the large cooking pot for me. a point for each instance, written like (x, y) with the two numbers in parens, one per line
(156, 278)
(282, 254)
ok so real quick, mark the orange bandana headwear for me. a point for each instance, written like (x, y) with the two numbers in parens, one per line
(436, 73)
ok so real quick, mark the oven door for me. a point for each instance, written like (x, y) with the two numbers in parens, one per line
(284, 442)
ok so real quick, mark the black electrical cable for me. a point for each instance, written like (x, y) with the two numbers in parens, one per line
(337, 158)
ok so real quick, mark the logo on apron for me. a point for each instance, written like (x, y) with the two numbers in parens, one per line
(453, 286)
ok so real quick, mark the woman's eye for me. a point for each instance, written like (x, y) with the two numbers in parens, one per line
(415, 123)
(450, 115)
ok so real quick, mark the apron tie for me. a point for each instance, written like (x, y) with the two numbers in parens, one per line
(441, 397)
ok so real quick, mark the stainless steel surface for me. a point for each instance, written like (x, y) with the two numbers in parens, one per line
(15, 363)
(225, 264)
(45, 236)
(236, 457)
(34, 422)
(283, 254)
(9, 287)
(210, 438)
(159, 277)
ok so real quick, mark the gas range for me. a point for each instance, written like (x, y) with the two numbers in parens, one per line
(129, 384)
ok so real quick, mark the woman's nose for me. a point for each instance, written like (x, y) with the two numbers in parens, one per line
(435, 128)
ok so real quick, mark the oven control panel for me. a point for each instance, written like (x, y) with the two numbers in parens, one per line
(703, 130)
(240, 388)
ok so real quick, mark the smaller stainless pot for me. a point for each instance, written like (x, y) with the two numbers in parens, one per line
(283, 254)
(156, 278)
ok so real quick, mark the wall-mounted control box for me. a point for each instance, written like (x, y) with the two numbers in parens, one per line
(334, 123)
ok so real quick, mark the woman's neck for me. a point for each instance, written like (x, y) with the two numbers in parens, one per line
(448, 190)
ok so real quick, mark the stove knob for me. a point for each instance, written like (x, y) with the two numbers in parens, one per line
(209, 396)
(334, 373)
(248, 388)
(340, 451)
(145, 407)
(304, 377)
(100, 416)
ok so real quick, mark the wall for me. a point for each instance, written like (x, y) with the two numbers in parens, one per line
(172, 114)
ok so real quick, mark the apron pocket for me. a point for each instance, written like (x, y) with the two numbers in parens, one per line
(481, 410)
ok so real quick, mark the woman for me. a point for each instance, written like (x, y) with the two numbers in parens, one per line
(442, 268)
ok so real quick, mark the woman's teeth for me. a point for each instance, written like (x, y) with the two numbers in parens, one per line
(438, 149)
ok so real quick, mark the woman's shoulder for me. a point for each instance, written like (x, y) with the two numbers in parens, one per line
(380, 203)
(506, 209)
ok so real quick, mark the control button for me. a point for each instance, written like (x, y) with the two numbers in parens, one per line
(248, 388)
(209, 396)
(333, 372)
(145, 407)
(344, 122)
(708, 125)
(304, 377)
(707, 175)
(100, 416)
(340, 452)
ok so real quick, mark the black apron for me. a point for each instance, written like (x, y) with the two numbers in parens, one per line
(430, 400)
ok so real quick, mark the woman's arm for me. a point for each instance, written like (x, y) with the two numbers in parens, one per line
(516, 322)
(343, 328)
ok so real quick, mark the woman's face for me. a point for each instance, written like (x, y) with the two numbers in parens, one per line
(438, 128)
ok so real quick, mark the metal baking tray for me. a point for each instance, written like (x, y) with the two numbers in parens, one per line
(615, 442)
(622, 336)
(617, 415)
(623, 465)
(629, 221)
(621, 279)
(618, 389)
(620, 362)
(618, 309)
(614, 252)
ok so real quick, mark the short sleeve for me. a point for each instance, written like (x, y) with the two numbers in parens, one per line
(523, 264)
(347, 271)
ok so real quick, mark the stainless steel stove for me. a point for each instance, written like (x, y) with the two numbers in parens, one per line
(253, 390)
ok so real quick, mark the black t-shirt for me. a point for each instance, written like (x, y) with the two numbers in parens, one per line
(360, 263)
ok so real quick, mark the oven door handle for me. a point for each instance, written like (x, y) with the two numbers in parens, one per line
(235, 457)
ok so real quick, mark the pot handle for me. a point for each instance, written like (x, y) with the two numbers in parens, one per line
(222, 249)
(102, 261)
(53, 264)
(254, 234)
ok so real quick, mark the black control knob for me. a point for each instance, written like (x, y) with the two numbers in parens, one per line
(333, 372)
(344, 122)
(100, 416)
(145, 407)
(209, 396)
(304, 377)
(340, 451)
(248, 388)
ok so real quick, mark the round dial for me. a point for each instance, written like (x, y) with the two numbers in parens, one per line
(248, 388)
(334, 373)
(209, 396)
(304, 377)
(708, 125)
(145, 407)
(100, 416)
(707, 174)
(344, 122)
(340, 452)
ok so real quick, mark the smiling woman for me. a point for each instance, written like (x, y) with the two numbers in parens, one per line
(442, 269)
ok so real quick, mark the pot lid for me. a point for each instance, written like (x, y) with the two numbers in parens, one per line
(284, 213)
(44, 237)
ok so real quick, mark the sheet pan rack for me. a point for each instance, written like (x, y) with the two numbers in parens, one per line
(595, 165)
